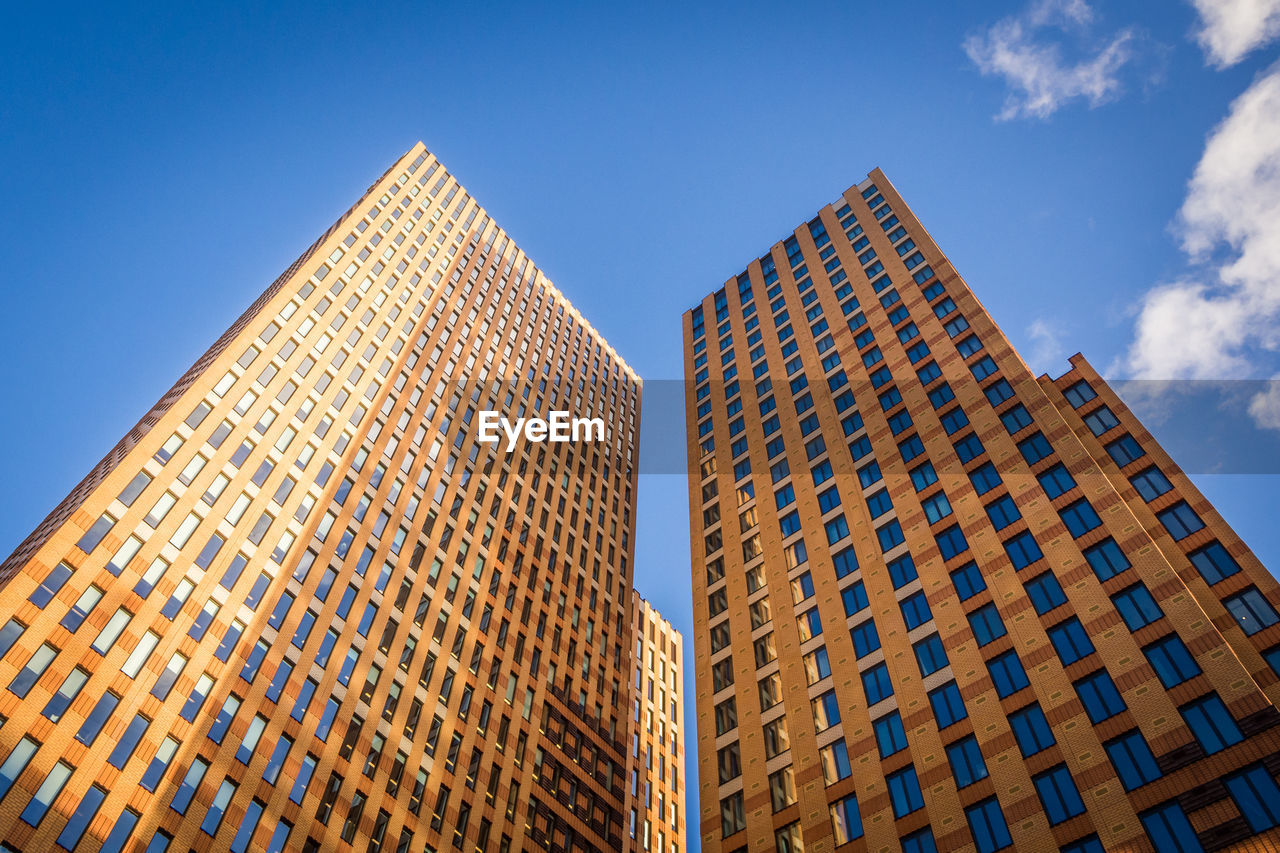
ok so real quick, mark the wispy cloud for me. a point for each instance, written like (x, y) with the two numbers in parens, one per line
(1223, 317)
(1046, 350)
(1231, 29)
(1027, 50)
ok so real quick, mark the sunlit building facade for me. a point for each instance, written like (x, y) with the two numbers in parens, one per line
(943, 604)
(301, 607)
(655, 806)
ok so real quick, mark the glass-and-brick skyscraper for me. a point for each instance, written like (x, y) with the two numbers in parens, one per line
(941, 603)
(300, 607)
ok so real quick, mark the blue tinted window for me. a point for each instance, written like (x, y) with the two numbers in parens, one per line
(1023, 550)
(1213, 562)
(1169, 830)
(986, 624)
(948, 707)
(1132, 759)
(1106, 559)
(1080, 517)
(876, 683)
(966, 762)
(1257, 796)
(1056, 481)
(1007, 674)
(1211, 723)
(968, 581)
(1058, 794)
(1136, 606)
(1099, 696)
(1150, 483)
(891, 737)
(904, 791)
(1045, 593)
(988, 827)
(1070, 641)
(1172, 662)
(1031, 730)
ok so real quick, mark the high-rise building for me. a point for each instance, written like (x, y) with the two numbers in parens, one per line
(301, 606)
(655, 802)
(940, 603)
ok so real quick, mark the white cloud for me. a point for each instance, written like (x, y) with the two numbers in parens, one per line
(1217, 321)
(1021, 49)
(1230, 29)
(1265, 406)
(1046, 350)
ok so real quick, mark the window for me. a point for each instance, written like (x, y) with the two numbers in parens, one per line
(891, 737)
(1213, 562)
(1101, 420)
(890, 535)
(922, 476)
(835, 762)
(904, 791)
(128, 742)
(984, 478)
(948, 707)
(915, 610)
(48, 791)
(1080, 517)
(1136, 606)
(1169, 830)
(1003, 512)
(1150, 483)
(732, 816)
(986, 624)
(159, 764)
(1079, 394)
(1058, 794)
(1023, 550)
(920, 841)
(213, 817)
(51, 584)
(826, 711)
(877, 684)
(1007, 674)
(854, 598)
(1125, 450)
(968, 581)
(1034, 448)
(1046, 593)
(966, 761)
(1132, 760)
(930, 656)
(936, 507)
(1031, 730)
(1211, 723)
(1170, 659)
(1099, 696)
(1251, 611)
(1257, 796)
(846, 823)
(31, 672)
(951, 542)
(1056, 481)
(1070, 641)
(81, 818)
(1180, 520)
(190, 782)
(987, 825)
(1016, 419)
(865, 638)
(67, 693)
(968, 448)
(902, 571)
(1106, 559)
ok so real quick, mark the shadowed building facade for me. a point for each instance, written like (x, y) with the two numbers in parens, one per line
(941, 603)
(655, 806)
(300, 607)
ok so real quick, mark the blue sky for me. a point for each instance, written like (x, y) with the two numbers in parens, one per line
(1105, 176)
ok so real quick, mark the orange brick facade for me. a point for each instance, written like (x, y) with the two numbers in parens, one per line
(301, 607)
(655, 804)
(941, 604)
